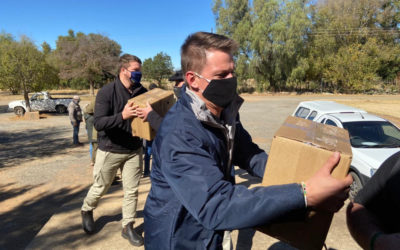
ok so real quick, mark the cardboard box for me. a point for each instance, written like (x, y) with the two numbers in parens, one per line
(161, 101)
(300, 148)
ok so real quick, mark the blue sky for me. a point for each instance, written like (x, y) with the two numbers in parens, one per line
(142, 27)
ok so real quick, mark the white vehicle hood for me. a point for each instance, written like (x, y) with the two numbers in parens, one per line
(14, 104)
(373, 157)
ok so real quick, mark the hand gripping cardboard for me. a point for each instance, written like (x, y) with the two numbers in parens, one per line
(301, 147)
(160, 100)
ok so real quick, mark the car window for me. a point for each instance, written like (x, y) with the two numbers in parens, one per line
(323, 120)
(373, 134)
(391, 131)
(302, 112)
(312, 115)
(330, 122)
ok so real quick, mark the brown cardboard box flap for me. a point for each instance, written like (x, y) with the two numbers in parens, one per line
(299, 149)
(160, 100)
(320, 135)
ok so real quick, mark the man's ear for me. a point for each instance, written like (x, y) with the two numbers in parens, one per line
(191, 79)
(122, 70)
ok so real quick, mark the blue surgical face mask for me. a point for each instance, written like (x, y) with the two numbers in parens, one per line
(136, 76)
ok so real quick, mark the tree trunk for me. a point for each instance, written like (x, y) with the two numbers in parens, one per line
(26, 98)
(91, 88)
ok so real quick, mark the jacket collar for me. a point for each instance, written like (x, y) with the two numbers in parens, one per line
(134, 88)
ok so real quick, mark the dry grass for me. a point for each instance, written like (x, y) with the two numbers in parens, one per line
(386, 107)
(389, 109)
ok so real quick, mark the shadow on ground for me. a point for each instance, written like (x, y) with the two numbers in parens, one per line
(20, 225)
(3, 108)
(69, 235)
(19, 147)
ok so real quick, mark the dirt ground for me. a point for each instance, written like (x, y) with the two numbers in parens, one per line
(40, 171)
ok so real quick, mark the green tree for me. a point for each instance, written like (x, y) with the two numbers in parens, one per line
(353, 69)
(23, 67)
(91, 58)
(46, 49)
(233, 19)
(157, 68)
(284, 43)
(354, 27)
(272, 35)
(278, 39)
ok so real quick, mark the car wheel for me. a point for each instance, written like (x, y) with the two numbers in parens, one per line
(19, 111)
(356, 186)
(61, 109)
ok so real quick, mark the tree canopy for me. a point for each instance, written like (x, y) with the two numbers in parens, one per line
(157, 68)
(23, 68)
(334, 43)
(91, 58)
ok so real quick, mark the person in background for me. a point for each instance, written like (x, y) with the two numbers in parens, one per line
(75, 116)
(148, 114)
(88, 114)
(373, 218)
(118, 149)
(193, 199)
(178, 79)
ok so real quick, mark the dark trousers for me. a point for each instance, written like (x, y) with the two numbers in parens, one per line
(147, 155)
(75, 132)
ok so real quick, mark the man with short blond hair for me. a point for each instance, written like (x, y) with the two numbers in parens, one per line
(193, 199)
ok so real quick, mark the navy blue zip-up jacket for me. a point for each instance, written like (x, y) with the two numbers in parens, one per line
(192, 200)
(114, 133)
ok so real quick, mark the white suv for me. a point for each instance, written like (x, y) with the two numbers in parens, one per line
(373, 139)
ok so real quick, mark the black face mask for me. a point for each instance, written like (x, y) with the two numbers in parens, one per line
(177, 91)
(221, 92)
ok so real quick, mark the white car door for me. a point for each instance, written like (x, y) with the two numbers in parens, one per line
(40, 103)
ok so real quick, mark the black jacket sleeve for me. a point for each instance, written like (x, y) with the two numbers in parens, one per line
(103, 117)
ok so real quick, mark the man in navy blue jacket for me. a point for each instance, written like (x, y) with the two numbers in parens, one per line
(193, 199)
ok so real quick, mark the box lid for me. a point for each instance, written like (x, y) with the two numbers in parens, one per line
(151, 96)
(320, 135)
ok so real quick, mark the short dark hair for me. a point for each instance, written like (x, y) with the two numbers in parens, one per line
(125, 59)
(193, 50)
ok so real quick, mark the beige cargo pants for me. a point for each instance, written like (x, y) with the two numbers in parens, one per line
(104, 171)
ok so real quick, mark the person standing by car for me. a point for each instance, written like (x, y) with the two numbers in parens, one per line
(75, 116)
(117, 148)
